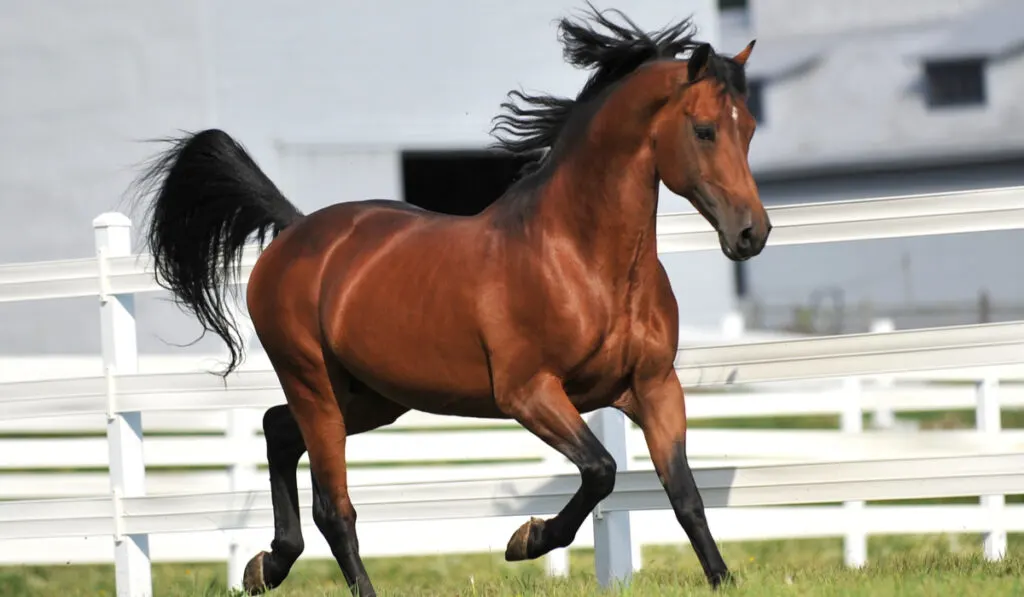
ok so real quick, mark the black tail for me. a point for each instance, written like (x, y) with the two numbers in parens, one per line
(210, 198)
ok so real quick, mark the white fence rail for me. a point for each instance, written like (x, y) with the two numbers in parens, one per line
(754, 472)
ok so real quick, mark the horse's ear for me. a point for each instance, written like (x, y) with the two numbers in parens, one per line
(741, 58)
(698, 61)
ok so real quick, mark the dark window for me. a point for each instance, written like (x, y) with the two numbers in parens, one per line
(755, 99)
(732, 4)
(457, 182)
(955, 83)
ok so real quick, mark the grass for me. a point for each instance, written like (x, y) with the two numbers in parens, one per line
(929, 565)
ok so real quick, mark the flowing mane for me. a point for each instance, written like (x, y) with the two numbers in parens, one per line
(539, 125)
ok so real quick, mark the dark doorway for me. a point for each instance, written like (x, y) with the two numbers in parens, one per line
(457, 182)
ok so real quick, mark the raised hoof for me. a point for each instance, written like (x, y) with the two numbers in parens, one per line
(252, 577)
(518, 548)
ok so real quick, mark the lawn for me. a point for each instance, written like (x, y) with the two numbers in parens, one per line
(904, 566)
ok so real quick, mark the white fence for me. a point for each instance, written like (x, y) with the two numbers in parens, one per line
(220, 514)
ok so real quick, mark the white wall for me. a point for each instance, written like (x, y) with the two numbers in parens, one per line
(393, 72)
(316, 175)
(83, 84)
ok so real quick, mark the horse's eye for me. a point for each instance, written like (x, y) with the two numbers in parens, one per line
(704, 132)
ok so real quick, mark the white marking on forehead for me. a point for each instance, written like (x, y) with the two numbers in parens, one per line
(735, 114)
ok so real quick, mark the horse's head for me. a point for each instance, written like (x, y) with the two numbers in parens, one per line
(701, 138)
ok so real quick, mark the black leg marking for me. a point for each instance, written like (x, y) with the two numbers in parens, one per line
(689, 508)
(284, 449)
(339, 529)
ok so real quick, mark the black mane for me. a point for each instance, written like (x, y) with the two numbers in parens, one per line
(533, 127)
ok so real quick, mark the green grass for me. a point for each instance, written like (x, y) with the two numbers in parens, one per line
(929, 565)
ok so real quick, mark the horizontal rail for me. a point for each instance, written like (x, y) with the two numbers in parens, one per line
(421, 447)
(700, 404)
(887, 217)
(983, 345)
(635, 490)
(863, 219)
(853, 355)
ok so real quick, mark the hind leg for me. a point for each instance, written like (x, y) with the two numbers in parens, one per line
(323, 428)
(285, 447)
(366, 411)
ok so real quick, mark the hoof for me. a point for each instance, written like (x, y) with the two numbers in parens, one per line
(518, 548)
(719, 580)
(252, 577)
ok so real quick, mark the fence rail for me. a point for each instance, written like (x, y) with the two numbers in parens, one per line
(875, 370)
(984, 345)
(909, 478)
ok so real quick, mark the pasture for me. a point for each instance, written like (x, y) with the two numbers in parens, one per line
(906, 566)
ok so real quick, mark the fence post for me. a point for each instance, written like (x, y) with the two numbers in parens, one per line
(855, 541)
(883, 416)
(988, 420)
(557, 562)
(242, 424)
(734, 325)
(124, 429)
(241, 429)
(613, 548)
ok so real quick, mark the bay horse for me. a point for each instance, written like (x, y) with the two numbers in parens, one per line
(549, 303)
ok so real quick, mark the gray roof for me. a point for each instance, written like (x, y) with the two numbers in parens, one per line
(778, 58)
(992, 30)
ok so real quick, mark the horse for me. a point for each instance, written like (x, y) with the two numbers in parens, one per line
(549, 303)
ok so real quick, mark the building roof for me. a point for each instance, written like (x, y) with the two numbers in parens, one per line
(778, 58)
(992, 30)
(857, 99)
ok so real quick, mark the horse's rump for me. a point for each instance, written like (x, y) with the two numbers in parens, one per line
(381, 277)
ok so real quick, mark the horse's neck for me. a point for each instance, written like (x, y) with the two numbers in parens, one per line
(607, 206)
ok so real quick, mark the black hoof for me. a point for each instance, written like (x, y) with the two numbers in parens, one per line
(722, 578)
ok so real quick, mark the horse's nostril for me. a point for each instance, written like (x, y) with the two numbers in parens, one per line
(746, 237)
